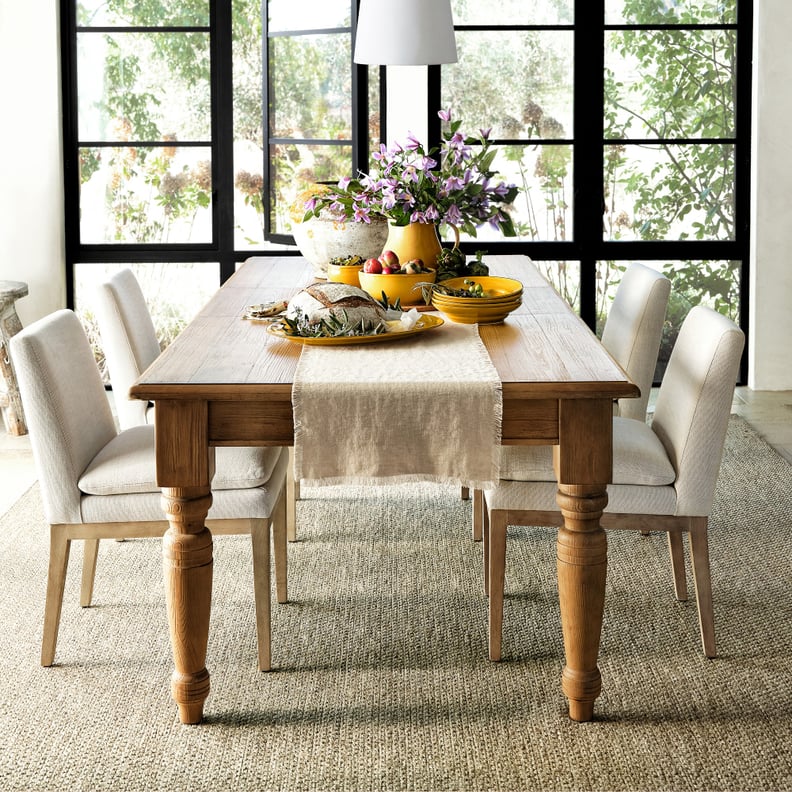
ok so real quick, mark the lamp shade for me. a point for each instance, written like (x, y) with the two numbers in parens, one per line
(405, 32)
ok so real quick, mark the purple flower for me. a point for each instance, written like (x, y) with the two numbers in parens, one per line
(453, 216)
(453, 183)
(362, 214)
(427, 163)
(410, 174)
(496, 220)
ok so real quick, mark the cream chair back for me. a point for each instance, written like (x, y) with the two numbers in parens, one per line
(694, 402)
(634, 329)
(67, 410)
(129, 340)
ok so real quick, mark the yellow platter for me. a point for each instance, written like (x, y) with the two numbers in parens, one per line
(426, 322)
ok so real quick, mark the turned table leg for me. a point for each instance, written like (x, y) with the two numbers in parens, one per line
(584, 465)
(187, 566)
(185, 465)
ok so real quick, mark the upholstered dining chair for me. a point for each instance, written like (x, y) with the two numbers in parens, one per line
(99, 483)
(632, 336)
(664, 475)
(130, 344)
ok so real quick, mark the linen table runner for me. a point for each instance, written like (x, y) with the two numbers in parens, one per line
(427, 408)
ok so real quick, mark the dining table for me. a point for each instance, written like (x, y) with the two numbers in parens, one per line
(225, 381)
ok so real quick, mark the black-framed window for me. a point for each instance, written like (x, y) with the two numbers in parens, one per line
(571, 89)
(316, 105)
(627, 125)
(166, 160)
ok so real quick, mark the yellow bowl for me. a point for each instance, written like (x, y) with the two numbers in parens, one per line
(397, 287)
(475, 313)
(344, 273)
(495, 288)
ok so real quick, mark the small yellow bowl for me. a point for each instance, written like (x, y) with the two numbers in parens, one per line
(495, 288)
(344, 273)
(397, 287)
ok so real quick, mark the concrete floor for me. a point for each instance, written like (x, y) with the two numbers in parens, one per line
(769, 412)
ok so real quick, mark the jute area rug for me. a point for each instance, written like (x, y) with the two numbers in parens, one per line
(381, 679)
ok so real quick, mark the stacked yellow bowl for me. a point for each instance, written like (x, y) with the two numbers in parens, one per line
(498, 298)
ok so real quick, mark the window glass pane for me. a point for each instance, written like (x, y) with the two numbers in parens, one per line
(308, 14)
(310, 87)
(543, 209)
(174, 294)
(143, 86)
(513, 12)
(715, 284)
(136, 194)
(669, 192)
(564, 277)
(647, 12)
(669, 83)
(186, 13)
(375, 121)
(531, 95)
(298, 167)
(248, 130)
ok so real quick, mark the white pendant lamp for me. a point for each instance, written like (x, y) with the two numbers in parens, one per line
(405, 33)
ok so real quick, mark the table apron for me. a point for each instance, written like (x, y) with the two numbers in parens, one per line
(244, 423)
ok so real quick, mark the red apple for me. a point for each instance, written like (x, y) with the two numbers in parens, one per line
(389, 259)
(386, 270)
(372, 265)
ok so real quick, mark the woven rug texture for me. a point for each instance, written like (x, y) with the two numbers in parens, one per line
(380, 677)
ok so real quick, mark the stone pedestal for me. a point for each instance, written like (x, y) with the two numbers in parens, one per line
(10, 402)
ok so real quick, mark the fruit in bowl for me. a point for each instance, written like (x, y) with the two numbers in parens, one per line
(398, 282)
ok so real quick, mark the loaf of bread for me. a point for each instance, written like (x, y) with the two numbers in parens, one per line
(321, 300)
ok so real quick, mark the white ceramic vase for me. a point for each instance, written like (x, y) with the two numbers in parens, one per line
(321, 239)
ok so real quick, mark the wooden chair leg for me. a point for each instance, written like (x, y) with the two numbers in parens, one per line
(497, 570)
(677, 553)
(90, 553)
(56, 581)
(485, 541)
(279, 533)
(478, 506)
(292, 496)
(260, 541)
(699, 553)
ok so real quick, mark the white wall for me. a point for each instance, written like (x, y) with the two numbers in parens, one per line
(31, 182)
(31, 202)
(770, 331)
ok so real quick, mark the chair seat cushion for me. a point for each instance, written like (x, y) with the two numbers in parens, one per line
(539, 498)
(127, 465)
(639, 457)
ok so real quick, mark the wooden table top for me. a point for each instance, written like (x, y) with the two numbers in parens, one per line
(542, 351)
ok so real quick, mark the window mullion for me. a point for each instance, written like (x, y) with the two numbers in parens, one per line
(588, 190)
